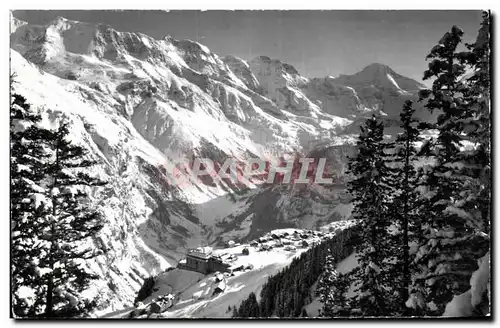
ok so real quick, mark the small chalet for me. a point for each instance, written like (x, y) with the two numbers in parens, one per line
(162, 303)
(266, 247)
(221, 286)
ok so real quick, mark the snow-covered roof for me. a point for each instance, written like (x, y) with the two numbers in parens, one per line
(221, 285)
(201, 252)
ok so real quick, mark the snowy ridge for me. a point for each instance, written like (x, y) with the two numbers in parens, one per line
(194, 293)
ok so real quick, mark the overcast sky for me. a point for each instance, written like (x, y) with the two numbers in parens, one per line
(317, 43)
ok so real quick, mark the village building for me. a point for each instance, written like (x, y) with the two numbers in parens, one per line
(266, 247)
(161, 303)
(221, 286)
(236, 268)
(202, 260)
(219, 277)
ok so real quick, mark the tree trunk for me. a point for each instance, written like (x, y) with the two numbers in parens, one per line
(50, 303)
(50, 285)
(406, 250)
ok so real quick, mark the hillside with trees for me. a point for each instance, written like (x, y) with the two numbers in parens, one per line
(423, 206)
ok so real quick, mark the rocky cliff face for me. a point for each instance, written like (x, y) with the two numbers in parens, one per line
(140, 105)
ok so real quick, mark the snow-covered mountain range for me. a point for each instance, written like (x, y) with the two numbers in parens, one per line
(140, 104)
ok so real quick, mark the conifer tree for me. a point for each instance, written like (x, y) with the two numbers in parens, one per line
(280, 309)
(405, 197)
(267, 296)
(234, 313)
(67, 227)
(331, 290)
(448, 245)
(248, 308)
(478, 127)
(146, 289)
(253, 306)
(27, 208)
(371, 192)
(50, 217)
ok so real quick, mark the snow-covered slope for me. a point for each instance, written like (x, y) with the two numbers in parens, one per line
(140, 105)
(194, 293)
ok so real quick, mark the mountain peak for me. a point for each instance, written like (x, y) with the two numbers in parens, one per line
(61, 21)
(383, 76)
(15, 23)
(277, 63)
(378, 68)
